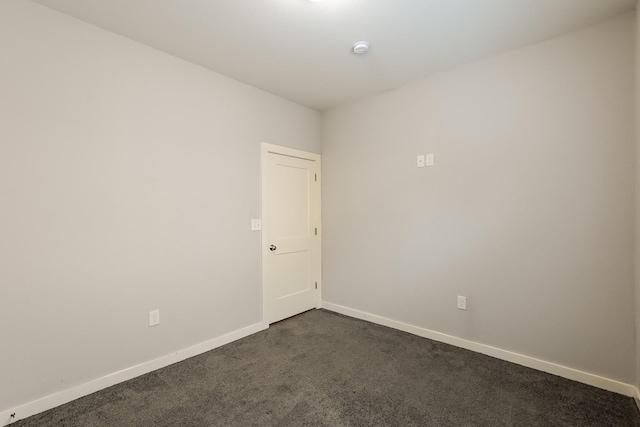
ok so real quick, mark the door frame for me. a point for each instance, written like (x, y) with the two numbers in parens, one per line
(266, 149)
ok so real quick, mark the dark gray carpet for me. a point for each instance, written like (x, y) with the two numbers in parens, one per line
(324, 369)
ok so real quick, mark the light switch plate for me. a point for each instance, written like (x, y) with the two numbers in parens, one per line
(462, 302)
(154, 317)
(256, 224)
(430, 161)
(420, 161)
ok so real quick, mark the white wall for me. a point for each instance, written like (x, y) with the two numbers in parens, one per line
(637, 194)
(529, 210)
(128, 179)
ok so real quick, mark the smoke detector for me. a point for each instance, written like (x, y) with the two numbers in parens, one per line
(361, 47)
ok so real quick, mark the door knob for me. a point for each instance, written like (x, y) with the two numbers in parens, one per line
(272, 248)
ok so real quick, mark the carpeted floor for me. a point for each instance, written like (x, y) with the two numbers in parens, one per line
(324, 369)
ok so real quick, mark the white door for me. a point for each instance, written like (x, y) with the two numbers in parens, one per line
(290, 232)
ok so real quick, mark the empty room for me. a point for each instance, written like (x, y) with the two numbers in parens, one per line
(319, 212)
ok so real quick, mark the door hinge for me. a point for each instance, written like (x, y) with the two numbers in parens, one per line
(316, 231)
(316, 285)
(316, 177)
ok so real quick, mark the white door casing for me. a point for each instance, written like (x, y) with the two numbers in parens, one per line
(291, 232)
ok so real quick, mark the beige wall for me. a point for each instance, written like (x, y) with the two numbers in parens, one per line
(128, 179)
(529, 210)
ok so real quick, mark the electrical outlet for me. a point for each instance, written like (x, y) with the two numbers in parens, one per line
(256, 225)
(462, 302)
(154, 317)
(420, 161)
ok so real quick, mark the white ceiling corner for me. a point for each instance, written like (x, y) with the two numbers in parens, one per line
(301, 50)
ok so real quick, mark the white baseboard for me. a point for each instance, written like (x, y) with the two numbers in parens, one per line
(636, 397)
(520, 359)
(57, 399)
